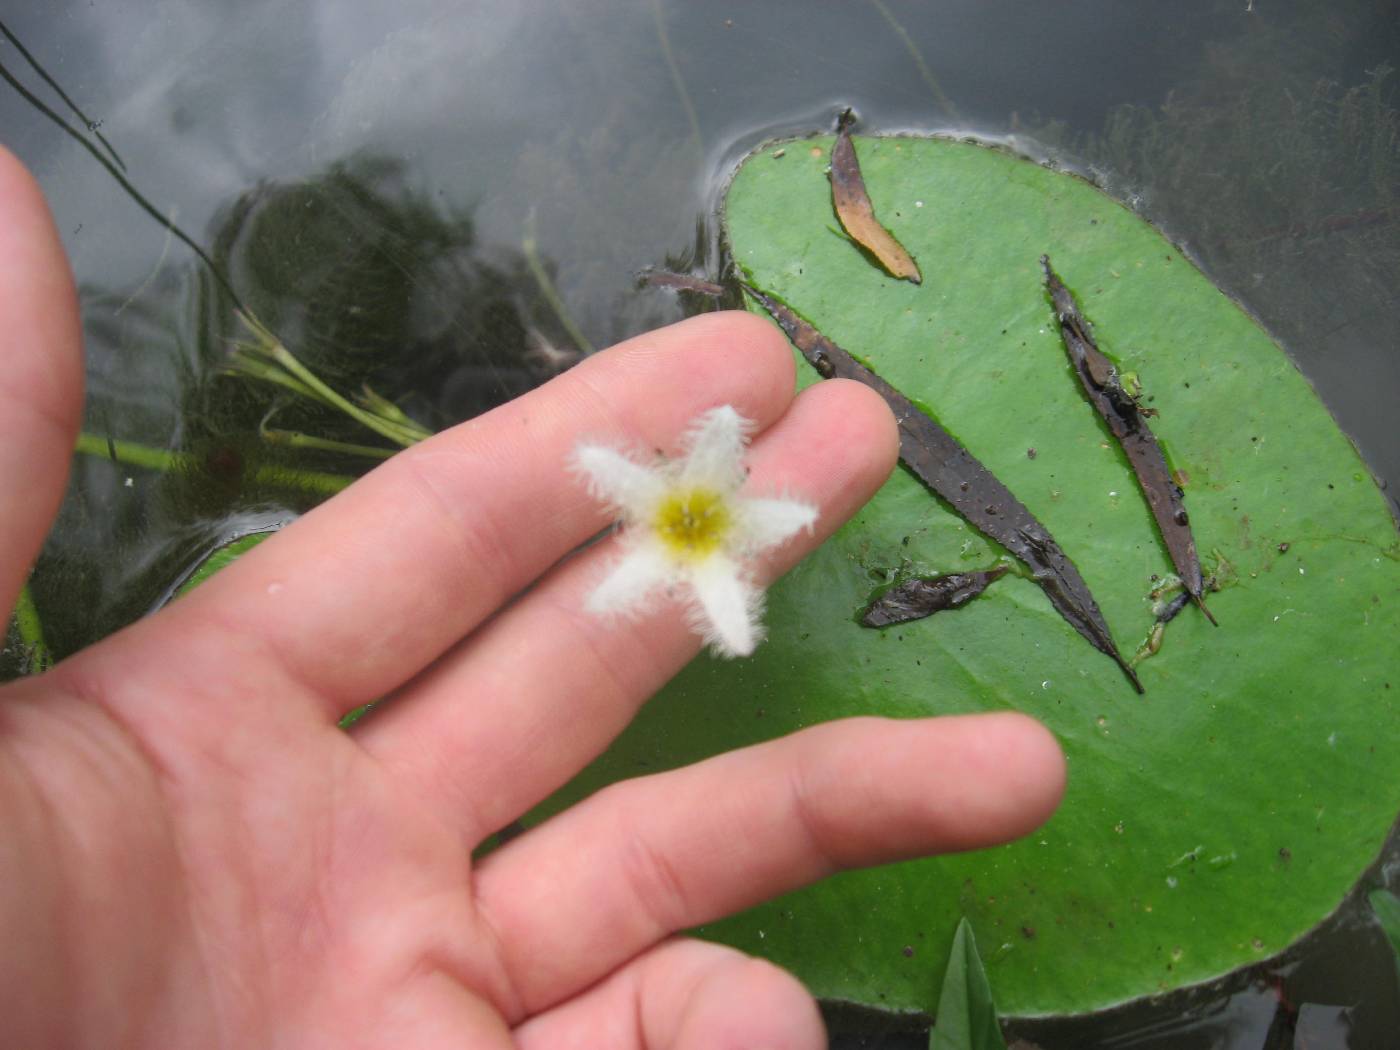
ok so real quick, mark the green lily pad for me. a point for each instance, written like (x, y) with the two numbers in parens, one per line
(220, 558)
(1208, 824)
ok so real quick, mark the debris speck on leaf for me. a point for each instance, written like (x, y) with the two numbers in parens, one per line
(937, 459)
(857, 214)
(923, 596)
(1119, 408)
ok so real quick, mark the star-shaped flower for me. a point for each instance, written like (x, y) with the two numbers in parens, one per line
(689, 533)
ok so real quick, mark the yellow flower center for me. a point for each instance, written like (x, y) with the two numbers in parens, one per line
(692, 523)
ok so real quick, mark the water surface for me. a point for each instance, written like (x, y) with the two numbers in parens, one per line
(367, 176)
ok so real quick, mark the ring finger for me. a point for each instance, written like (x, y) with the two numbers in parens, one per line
(496, 727)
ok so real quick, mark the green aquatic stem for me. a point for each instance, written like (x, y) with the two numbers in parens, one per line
(116, 170)
(297, 439)
(254, 360)
(530, 246)
(31, 632)
(944, 102)
(382, 406)
(666, 53)
(34, 64)
(147, 457)
(248, 360)
(315, 481)
(398, 433)
(131, 453)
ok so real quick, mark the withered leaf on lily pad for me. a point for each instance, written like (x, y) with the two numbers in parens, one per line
(857, 214)
(681, 282)
(937, 459)
(921, 596)
(1120, 410)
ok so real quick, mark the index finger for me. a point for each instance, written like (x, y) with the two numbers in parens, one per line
(41, 383)
(363, 592)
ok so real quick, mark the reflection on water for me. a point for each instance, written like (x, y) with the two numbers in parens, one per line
(368, 176)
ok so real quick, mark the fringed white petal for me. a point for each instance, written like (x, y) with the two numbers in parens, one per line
(723, 602)
(715, 450)
(619, 479)
(766, 523)
(642, 570)
(728, 607)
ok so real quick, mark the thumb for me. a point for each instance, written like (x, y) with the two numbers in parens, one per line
(41, 374)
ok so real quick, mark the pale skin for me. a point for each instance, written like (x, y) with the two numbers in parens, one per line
(193, 855)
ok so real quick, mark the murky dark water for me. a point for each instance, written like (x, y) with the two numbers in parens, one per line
(382, 184)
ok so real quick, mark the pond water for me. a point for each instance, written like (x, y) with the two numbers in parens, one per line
(450, 201)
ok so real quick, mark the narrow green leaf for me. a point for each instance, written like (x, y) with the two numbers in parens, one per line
(1387, 908)
(531, 248)
(967, 1017)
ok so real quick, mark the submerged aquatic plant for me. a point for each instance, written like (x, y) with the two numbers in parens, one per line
(687, 530)
(267, 359)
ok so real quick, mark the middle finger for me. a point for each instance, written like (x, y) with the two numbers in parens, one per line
(359, 595)
(532, 698)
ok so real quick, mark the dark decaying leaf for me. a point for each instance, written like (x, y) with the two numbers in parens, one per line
(935, 458)
(857, 214)
(682, 282)
(925, 595)
(1124, 417)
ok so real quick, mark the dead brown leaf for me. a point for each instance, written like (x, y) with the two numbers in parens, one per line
(857, 214)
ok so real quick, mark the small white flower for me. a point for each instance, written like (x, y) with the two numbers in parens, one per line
(687, 530)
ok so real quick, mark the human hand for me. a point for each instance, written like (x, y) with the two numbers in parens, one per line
(193, 854)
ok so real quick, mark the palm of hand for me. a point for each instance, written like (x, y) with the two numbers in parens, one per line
(194, 854)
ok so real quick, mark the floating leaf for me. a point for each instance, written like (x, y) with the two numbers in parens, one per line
(221, 558)
(857, 214)
(1273, 742)
(935, 458)
(1124, 416)
(967, 1016)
